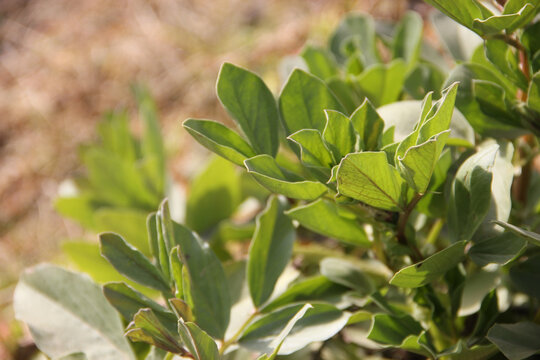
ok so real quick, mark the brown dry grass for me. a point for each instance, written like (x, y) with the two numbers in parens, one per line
(64, 62)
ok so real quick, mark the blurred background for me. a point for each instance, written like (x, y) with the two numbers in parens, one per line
(63, 63)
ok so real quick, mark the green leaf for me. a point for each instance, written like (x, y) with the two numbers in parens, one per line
(369, 125)
(303, 100)
(525, 276)
(319, 323)
(383, 83)
(219, 139)
(502, 56)
(369, 178)
(499, 249)
(207, 292)
(278, 180)
(151, 142)
(506, 21)
(313, 289)
(214, 195)
(430, 269)
(485, 124)
(117, 182)
(313, 148)
(87, 258)
(147, 328)
(278, 341)
(459, 40)
(127, 301)
(327, 218)
(116, 137)
(339, 134)
(177, 274)
(270, 250)
(516, 341)
(130, 262)
(463, 11)
(346, 273)
(461, 351)
(422, 78)
(477, 285)
(470, 195)
(489, 311)
(408, 38)
(533, 97)
(320, 62)
(252, 105)
(67, 313)
(356, 31)
(199, 343)
(530, 236)
(419, 161)
(393, 330)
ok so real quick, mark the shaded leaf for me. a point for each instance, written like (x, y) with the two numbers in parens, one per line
(147, 328)
(130, 262)
(199, 343)
(436, 265)
(327, 218)
(267, 172)
(347, 274)
(516, 341)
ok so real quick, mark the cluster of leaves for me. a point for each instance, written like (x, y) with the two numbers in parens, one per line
(388, 196)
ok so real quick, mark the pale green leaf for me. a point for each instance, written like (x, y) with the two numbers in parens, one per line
(67, 313)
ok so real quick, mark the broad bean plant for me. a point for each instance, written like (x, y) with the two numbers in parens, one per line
(383, 205)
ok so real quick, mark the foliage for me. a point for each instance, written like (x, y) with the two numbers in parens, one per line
(392, 217)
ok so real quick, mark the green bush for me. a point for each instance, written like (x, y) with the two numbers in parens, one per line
(391, 222)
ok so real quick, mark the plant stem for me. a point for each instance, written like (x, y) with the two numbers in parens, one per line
(435, 231)
(235, 337)
(402, 226)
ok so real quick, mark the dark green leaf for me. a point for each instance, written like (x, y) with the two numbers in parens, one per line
(533, 97)
(278, 180)
(526, 276)
(516, 341)
(270, 250)
(436, 265)
(199, 343)
(499, 249)
(219, 139)
(249, 101)
(127, 301)
(147, 328)
(206, 291)
(393, 330)
(130, 262)
(531, 237)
